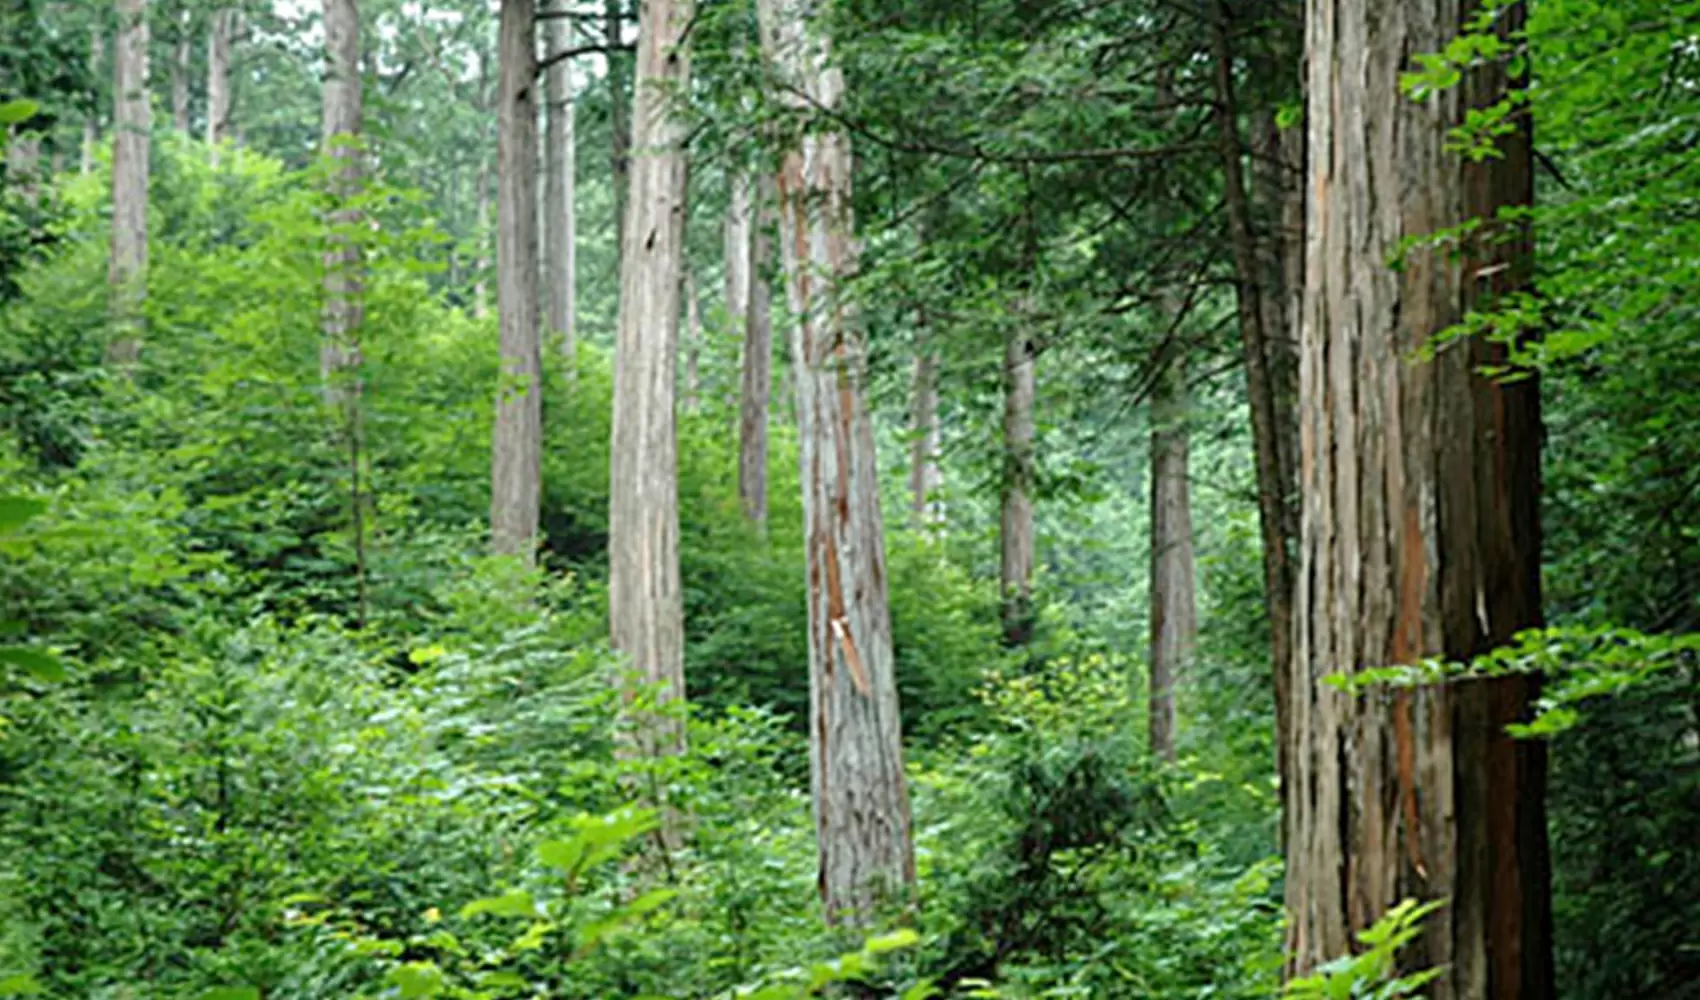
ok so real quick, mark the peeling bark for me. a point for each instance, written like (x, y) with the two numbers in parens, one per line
(1420, 527)
(860, 794)
(127, 269)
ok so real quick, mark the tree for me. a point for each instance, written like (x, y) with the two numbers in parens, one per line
(127, 270)
(756, 376)
(559, 229)
(861, 798)
(181, 49)
(516, 475)
(220, 30)
(924, 474)
(645, 603)
(1016, 565)
(1420, 531)
(1174, 613)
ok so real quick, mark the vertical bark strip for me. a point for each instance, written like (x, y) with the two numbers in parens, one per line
(1174, 613)
(180, 73)
(560, 226)
(619, 128)
(861, 798)
(925, 477)
(756, 380)
(736, 233)
(516, 465)
(127, 268)
(1420, 530)
(219, 33)
(1016, 565)
(693, 343)
(645, 603)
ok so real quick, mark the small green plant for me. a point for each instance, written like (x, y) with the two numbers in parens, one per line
(1372, 974)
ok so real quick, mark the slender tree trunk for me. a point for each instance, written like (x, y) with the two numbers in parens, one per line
(560, 229)
(481, 238)
(693, 343)
(1420, 524)
(180, 73)
(924, 475)
(127, 271)
(645, 603)
(1275, 471)
(619, 127)
(736, 235)
(219, 33)
(516, 487)
(861, 798)
(1174, 613)
(756, 382)
(91, 121)
(1016, 566)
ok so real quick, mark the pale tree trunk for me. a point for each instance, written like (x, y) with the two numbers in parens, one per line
(645, 603)
(1420, 525)
(756, 378)
(693, 343)
(1270, 420)
(127, 271)
(481, 237)
(1016, 566)
(91, 121)
(619, 128)
(180, 73)
(861, 798)
(925, 477)
(219, 33)
(516, 476)
(1174, 612)
(560, 227)
(736, 234)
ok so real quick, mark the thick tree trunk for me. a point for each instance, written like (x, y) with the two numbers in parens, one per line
(1420, 525)
(560, 226)
(736, 235)
(91, 121)
(219, 33)
(861, 798)
(1016, 565)
(1275, 471)
(756, 382)
(924, 475)
(180, 73)
(645, 603)
(127, 270)
(516, 472)
(1174, 612)
(619, 127)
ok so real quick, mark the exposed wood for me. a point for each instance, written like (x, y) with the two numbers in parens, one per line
(860, 793)
(516, 467)
(127, 269)
(1420, 529)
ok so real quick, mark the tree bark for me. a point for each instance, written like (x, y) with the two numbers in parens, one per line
(619, 127)
(516, 473)
(756, 381)
(481, 237)
(339, 352)
(1420, 524)
(1174, 612)
(736, 234)
(91, 121)
(1016, 565)
(127, 270)
(560, 228)
(180, 73)
(645, 602)
(861, 798)
(924, 475)
(219, 33)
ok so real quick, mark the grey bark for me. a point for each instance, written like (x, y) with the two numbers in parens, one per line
(925, 477)
(342, 110)
(180, 73)
(736, 233)
(560, 223)
(516, 473)
(619, 127)
(219, 36)
(1016, 537)
(860, 795)
(693, 343)
(127, 271)
(1174, 613)
(756, 377)
(1420, 527)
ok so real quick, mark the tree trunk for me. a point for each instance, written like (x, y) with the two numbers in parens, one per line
(339, 352)
(1174, 613)
(560, 228)
(1275, 472)
(1016, 566)
(481, 237)
(861, 798)
(1420, 525)
(736, 234)
(645, 602)
(619, 128)
(218, 79)
(693, 343)
(180, 73)
(924, 475)
(127, 271)
(756, 383)
(516, 475)
(91, 121)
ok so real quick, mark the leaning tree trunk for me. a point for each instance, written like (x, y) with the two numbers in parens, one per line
(861, 799)
(516, 467)
(645, 603)
(560, 226)
(924, 475)
(756, 381)
(219, 32)
(1016, 565)
(1174, 613)
(127, 270)
(1420, 523)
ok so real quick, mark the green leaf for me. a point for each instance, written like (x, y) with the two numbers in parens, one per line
(19, 985)
(42, 666)
(15, 510)
(417, 979)
(513, 903)
(232, 993)
(21, 109)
